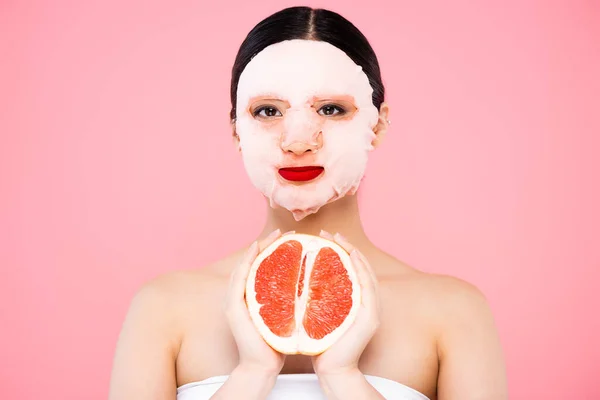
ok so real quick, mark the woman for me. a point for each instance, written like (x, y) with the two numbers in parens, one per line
(307, 108)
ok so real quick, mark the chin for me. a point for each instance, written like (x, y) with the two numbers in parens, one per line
(299, 215)
(304, 201)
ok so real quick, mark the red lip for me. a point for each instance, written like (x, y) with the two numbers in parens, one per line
(301, 174)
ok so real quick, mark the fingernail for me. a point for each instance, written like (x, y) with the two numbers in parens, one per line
(289, 232)
(251, 248)
(362, 256)
(275, 232)
(339, 236)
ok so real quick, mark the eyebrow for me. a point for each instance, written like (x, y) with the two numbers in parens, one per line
(345, 97)
(265, 97)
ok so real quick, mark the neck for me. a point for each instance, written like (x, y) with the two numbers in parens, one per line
(341, 216)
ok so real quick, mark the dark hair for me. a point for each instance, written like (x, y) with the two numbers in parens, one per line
(312, 24)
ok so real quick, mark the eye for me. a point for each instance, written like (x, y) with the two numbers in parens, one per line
(267, 112)
(331, 109)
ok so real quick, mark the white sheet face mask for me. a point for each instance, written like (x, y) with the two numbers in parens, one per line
(297, 80)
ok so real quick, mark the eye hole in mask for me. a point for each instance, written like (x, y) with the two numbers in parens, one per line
(326, 110)
(266, 111)
(331, 109)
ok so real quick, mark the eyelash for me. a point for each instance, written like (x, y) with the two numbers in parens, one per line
(260, 109)
(340, 110)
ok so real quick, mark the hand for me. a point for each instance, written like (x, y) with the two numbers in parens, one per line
(255, 355)
(343, 355)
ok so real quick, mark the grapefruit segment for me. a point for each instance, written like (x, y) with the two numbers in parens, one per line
(330, 298)
(302, 293)
(275, 285)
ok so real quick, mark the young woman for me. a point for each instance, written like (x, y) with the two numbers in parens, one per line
(307, 109)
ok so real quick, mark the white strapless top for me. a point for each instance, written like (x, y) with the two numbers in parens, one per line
(298, 387)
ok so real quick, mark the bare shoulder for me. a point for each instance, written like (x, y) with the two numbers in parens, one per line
(444, 298)
(165, 291)
(459, 309)
(444, 305)
(160, 302)
(452, 296)
(462, 325)
(174, 292)
(154, 328)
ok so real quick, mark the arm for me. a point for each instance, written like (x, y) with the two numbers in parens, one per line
(246, 383)
(348, 385)
(259, 364)
(471, 359)
(337, 368)
(144, 362)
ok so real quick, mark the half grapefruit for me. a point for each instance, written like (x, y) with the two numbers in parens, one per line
(302, 293)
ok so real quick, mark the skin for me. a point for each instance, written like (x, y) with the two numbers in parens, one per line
(430, 332)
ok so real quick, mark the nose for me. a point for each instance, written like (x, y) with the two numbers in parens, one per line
(300, 147)
(302, 131)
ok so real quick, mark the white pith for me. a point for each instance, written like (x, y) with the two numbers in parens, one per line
(299, 342)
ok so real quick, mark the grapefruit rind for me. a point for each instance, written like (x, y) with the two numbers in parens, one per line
(299, 342)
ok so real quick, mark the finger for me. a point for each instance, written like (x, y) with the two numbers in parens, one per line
(240, 274)
(365, 281)
(368, 266)
(342, 241)
(372, 276)
(326, 235)
(349, 247)
(269, 239)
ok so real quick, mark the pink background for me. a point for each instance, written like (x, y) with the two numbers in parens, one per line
(115, 144)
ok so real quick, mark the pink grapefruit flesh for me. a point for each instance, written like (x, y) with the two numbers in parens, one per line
(302, 293)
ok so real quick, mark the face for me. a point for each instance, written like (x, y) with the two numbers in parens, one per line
(305, 122)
